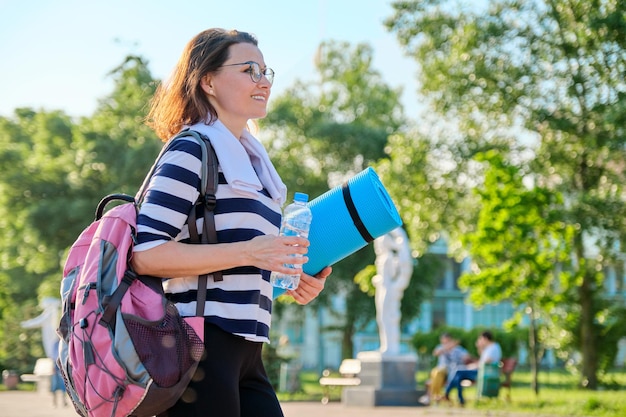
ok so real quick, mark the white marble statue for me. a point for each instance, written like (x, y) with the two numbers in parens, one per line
(48, 320)
(394, 266)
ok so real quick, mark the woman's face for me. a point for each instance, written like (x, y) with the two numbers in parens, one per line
(233, 93)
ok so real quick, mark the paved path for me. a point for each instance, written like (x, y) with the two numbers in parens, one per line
(33, 404)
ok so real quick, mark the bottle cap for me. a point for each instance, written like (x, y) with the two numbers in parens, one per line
(302, 197)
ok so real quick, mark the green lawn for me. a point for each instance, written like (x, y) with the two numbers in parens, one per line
(558, 396)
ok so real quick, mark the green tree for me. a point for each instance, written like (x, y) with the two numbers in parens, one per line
(516, 243)
(120, 146)
(423, 178)
(55, 170)
(552, 70)
(36, 157)
(323, 132)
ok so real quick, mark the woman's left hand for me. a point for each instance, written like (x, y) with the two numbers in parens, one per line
(310, 286)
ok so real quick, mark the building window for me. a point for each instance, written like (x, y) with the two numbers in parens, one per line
(456, 313)
(456, 272)
(439, 313)
(493, 315)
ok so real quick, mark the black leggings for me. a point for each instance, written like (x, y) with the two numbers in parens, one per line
(230, 381)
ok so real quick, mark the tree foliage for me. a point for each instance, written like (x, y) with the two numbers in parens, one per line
(517, 241)
(548, 74)
(55, 170)
(510, 341)
(321, 133)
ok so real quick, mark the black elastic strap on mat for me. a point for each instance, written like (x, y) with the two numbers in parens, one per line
(354, 214)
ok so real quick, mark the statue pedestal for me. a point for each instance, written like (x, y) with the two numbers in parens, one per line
(385, 381)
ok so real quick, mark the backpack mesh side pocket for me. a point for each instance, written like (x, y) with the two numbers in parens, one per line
(180, 347)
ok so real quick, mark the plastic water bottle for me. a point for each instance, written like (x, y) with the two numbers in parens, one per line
(296, 222)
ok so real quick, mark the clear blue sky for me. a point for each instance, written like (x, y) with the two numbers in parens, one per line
(55, 54)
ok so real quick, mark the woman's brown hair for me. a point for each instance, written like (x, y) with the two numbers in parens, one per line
(181, 100)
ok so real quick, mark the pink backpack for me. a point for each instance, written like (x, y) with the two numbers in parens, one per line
(125, 350)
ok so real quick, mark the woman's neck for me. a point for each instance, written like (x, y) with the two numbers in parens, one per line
(235, 127)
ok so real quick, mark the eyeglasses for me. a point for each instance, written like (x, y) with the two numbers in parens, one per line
(255, 71)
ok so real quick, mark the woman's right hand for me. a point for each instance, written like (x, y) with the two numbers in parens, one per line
(273, 252)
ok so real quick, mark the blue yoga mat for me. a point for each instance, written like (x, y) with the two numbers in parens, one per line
(347, 218)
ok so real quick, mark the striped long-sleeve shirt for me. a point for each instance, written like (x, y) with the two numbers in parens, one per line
(240, 304)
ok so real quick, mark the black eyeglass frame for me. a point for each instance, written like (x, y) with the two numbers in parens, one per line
(255, 71)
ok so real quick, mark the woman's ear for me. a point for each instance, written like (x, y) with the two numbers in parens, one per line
(207, 84)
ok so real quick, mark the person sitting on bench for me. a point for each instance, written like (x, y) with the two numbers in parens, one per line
(490, 352)
(450, 355)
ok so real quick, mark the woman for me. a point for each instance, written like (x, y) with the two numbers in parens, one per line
(219, 84)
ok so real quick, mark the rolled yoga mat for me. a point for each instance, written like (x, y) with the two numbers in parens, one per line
(347, 218)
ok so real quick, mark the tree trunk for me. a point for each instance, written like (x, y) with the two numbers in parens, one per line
(534, 350)
(347, 347)
(588, 337)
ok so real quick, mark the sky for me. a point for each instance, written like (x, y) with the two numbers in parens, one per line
(56, 54)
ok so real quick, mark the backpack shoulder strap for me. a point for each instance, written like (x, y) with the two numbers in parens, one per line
(208, 200)
(210, 175)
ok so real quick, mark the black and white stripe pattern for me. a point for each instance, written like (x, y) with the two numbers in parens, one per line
(242, 303)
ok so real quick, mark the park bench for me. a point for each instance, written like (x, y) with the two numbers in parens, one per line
(507, 367)
(348, 371)
(44, 369)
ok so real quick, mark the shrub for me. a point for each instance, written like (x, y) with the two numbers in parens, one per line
(510, 341)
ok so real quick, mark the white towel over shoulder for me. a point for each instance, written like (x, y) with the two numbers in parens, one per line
(234, 154)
